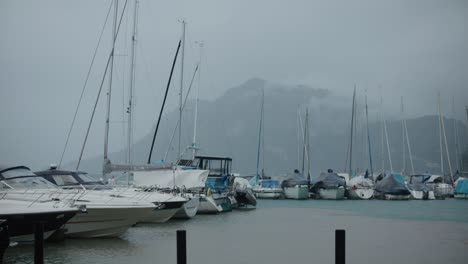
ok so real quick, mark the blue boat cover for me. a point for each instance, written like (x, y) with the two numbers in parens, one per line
(270, 184)
(462, 187)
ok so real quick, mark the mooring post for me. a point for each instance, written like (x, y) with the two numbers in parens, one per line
(4, 238)
(181, 247)
(340, 247)
(38, 243)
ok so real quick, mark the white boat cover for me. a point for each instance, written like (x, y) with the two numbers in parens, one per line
(168, 178)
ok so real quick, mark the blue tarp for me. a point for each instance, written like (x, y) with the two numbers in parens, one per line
(270, 184)
(462, 187)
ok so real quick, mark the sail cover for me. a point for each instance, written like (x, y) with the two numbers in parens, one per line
(328, 180)
(462, 187)
(168, 178)
(392, 184)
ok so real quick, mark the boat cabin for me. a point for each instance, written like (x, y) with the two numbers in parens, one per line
(218, 166)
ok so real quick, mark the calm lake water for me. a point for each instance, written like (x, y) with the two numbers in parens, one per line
(286, 231)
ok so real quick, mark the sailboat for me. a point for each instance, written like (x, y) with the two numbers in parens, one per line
(390, 186)
(297, 186)
(359, 187)
(264, 187)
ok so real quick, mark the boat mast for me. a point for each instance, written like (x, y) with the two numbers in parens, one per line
(403, 137)
(445, 141)
(382, 150)
(351, 134)
(181, 87)
(132, 87)
(195, 118)
(368, 141)
(106, 132)
(455, 135)
(260, 134)
(405, 133)
(308, 146)
(440, 138)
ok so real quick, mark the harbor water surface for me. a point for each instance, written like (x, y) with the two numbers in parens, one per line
(285, 231)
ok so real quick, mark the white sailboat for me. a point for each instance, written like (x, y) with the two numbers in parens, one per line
(359, 187)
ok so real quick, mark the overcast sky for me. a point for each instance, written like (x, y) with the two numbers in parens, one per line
(412, 48)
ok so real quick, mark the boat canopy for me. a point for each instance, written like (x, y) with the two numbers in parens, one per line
(328, 180)
(392, 184)
(462, 186)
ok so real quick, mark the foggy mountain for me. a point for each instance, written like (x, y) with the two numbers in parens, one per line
(229, 125)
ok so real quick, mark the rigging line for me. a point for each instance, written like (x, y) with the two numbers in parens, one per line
(85, 84)
(178, 122)
(100, 87)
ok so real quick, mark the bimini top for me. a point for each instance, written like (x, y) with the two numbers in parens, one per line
(7, 167)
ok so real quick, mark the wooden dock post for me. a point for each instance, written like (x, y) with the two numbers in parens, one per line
(340, 246)
(181, 247)
(38, 243)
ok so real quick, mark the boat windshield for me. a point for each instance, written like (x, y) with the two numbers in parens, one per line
(88, 179)
(65, 180)
(270, 184)
(29, 183)
(19, 172)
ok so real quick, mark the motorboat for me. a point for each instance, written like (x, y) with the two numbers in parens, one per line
(167, 204)
(360, 188)
(329, 186)
(21, 217)
(268, 189)
(106, 216)
(391, 187)
(243, 192)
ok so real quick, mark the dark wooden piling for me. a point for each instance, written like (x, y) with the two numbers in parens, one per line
(340, 249)
(38, 243)
(4, 238)
(181, 247)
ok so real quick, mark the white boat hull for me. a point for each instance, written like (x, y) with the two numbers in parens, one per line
(268, 195)
(105, 221)
(419, 195)
(332, 194)
(360, 193)
(160, 216)
(189, 209)
(296, 192)
(208, 206)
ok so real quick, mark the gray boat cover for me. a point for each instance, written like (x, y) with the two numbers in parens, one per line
(392, 184)
(328, 180)
(293, 180)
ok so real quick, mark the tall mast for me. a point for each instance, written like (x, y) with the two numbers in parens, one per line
(409, 147)
(195, 118)
(259, 135)
(382, 150)
(368, 140)
(446, 146)
(181, 87)
(351, 134)
(114, 36)
(132, 86)
(440, 136)
(403, 137)
(308, 145)
(455, 135)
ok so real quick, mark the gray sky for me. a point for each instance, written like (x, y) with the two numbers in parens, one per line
(410, 48)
